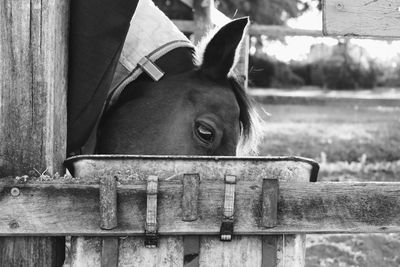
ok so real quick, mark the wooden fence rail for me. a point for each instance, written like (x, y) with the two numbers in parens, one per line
(64, 208)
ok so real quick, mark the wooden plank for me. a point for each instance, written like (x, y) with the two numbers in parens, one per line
(283, 250)
(270, 195)
(109, 251)
(279, 31)
(86, 251)
(302, 208)
(33, 79)
(210, 169)
(241, 251)
(168, 253)
(190, 197)
(376, 18)
(258, 29)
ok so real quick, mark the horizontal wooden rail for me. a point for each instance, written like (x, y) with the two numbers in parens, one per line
(65, 208)
(256, 29)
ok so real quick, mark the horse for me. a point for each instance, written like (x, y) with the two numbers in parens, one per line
(168, 97)
(197, 107)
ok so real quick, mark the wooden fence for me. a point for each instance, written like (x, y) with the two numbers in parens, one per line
(35, 214)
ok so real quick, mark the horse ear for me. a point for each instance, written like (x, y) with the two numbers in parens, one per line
(219, 54)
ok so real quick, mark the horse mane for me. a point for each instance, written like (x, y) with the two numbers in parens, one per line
(250, 128)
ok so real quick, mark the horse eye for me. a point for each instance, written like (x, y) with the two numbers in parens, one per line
(205, 133)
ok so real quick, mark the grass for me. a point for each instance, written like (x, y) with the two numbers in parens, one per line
(352, 141)
(342, 133)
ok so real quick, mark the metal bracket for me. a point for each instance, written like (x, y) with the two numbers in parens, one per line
(151, 235)
(151, 68)
(226, 231)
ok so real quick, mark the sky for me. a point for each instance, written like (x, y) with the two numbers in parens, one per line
(299, 46)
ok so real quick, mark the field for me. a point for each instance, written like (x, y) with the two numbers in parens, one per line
(355, 137)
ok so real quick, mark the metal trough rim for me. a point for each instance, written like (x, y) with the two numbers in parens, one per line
(68, 163)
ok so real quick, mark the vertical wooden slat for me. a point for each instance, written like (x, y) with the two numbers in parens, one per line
(33, 84)
(86, 251)
(285, 250)
(168, 253)
(241, 251)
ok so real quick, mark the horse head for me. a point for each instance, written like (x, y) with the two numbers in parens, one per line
(195, 109)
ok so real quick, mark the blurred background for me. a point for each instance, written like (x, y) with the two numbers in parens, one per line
(335, 100)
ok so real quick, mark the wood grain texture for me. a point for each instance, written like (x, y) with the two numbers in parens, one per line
(108, 202)
(190, 197)
(109, 251)
(33, 84)
(168, 253)
(376, 18)
(241, 251)
(270, 195)
(86, 251)
(209, 170)
(302, 208)
(257, 29)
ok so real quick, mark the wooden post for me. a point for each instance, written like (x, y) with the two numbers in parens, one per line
(202, 17)
(33, 84)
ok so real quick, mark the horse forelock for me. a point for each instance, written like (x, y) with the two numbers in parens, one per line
(250, 122)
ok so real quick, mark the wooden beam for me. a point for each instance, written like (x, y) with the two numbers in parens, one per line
(278, 31)
(33, 84)
(73, 209)
(257, 29)
(361, 18)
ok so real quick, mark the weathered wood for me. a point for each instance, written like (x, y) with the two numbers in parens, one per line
(361, 18)
(86, 251)
(209, 169)
(151, 212)
(279, 31)
(33, 78)
(241, 251)
(257, 29)
(191, 253)
(168, 253)
(270, 196)
(202, 18)
(190, 197)
(108, 201)
(283, 250)
(132, 252)
(302, 208)
(109, 251)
